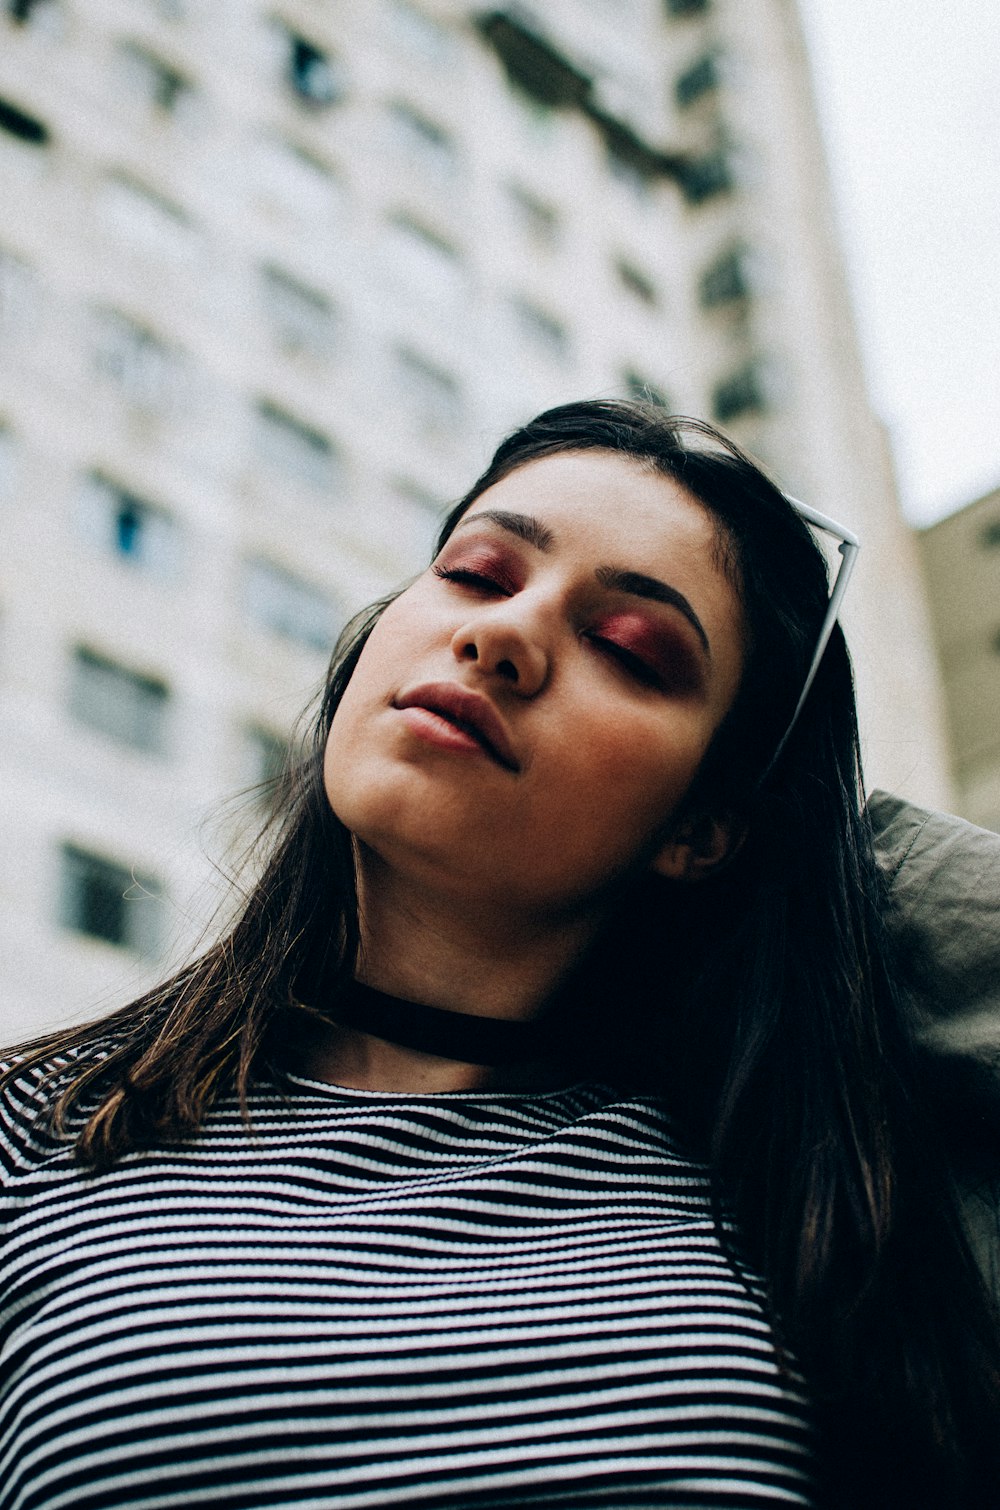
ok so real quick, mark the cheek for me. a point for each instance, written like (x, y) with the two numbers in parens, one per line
(626, 779)
(353, 766)
(376, 676)
(347, 746)
(376, 658)
(336, 764)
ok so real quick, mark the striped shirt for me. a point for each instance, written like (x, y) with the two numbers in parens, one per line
(484, 1299)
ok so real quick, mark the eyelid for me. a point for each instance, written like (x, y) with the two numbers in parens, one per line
(668, 660)
(632, 662)
(481, 561)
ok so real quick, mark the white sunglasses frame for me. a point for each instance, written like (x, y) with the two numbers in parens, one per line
(849, 547)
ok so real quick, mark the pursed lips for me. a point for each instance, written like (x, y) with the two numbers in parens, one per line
(467, 710)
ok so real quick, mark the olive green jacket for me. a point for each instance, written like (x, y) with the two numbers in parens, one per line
(944, 890)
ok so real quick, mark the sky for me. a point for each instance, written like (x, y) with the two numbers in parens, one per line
(909, 97)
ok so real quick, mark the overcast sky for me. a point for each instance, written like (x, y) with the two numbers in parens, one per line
(909, 93)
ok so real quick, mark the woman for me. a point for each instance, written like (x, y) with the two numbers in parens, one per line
(579, 1159)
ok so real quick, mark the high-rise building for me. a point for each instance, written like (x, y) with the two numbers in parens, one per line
(961, 561)
(274, 277)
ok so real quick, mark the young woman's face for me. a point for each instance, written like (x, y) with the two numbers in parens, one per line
(526, 718)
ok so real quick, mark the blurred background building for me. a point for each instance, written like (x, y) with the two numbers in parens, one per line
(274, 278)
(961, 561)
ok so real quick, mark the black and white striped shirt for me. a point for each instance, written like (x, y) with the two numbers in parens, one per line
(375, 1300)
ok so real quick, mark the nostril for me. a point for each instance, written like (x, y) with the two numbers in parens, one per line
(470, 651)
(508, 670)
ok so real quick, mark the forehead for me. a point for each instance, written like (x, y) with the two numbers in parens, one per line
(612, 505)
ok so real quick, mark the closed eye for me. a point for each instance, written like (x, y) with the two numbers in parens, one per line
(628, 660)
(465, 577)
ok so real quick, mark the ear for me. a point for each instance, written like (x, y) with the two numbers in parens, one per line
(699, 847)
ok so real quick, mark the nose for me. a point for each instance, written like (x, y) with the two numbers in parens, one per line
(501, 645)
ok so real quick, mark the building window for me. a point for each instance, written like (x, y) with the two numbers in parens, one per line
(702, 178)
(636, 282)
(294, 184)
(536, 68)
(108, 901)
(302, 320)
(114, 521)
(265, 756)
(630, 175)
(538, 220)
(296, 448)
(422, 142)
(170, 10)
(429, 264)
(728, 280)
(681, 8)
(544, 332)
(135, 214)
(284, 605)
(310, 72)
(146, 371)
(22, 126)
(703, 77)
(746, 391)
(7, 461)
(416, 495)
(639, 387)
(46, 15)
(418, 34)
(119, 702)
(156, 83)
(405, 522)
(19, 295)
(432, 395)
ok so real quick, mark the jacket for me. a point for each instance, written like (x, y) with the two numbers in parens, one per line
(943, 879)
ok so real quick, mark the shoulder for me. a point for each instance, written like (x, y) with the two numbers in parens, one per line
(943, 885)
(28, 1090)
(943, 881)
(24, 1101)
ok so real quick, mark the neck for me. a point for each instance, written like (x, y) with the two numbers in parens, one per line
(428, 950)
(452, 953)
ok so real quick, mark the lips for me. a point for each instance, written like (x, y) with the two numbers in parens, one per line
(469, 711)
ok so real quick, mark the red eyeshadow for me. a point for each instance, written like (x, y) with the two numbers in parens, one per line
(663, 648)
(500, 566)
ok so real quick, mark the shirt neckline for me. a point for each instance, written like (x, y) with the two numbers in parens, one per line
(485, 1094)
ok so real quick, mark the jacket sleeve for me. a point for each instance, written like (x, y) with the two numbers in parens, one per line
(943, 879)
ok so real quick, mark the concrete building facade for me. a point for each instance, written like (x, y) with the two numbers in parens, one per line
(961, 562)
(274, 278)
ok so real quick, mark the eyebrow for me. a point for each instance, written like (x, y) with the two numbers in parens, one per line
(617, 578)
(527, 528)
(640, 586)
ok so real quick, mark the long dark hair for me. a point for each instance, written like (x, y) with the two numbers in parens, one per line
(761, 1003)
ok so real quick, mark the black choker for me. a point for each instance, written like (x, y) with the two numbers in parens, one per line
(433, 1030)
